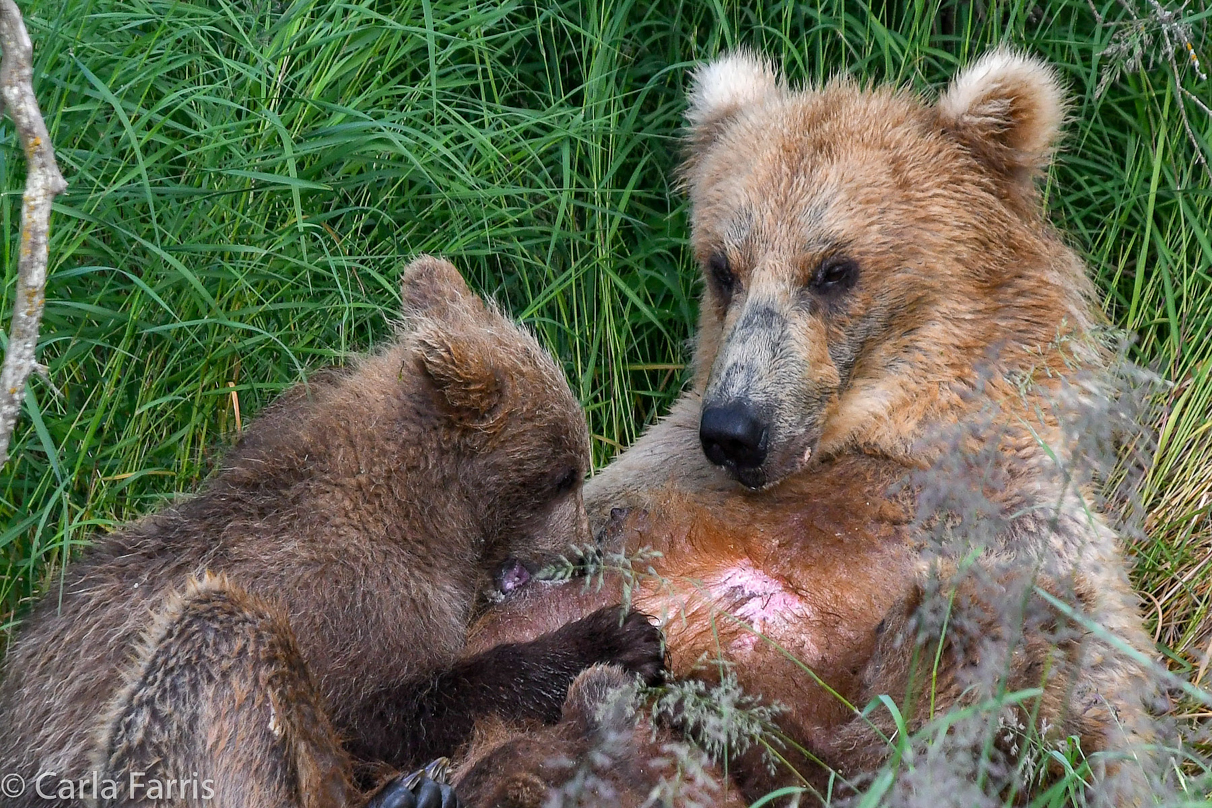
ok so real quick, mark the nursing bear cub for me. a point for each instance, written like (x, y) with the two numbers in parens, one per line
(871, 486)
(299, 625)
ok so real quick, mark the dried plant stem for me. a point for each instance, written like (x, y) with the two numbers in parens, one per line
(42, 184)
(1166, 17)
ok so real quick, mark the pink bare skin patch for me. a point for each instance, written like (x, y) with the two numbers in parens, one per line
(766, 604)
(759, 605)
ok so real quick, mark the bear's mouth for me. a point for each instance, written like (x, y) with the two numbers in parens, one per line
(775, 470)
(804, 455)
(753, 479)
(511, 576)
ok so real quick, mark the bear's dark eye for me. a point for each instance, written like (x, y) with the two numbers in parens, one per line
(835, 274)
(720, 272)
(567, 482)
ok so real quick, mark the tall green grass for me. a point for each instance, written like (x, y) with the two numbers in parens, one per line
(246, 179)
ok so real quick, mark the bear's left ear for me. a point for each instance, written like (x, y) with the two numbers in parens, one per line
(1007, 109)
(466, 380)
(724, 87)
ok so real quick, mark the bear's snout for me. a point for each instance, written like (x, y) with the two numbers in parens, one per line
(734, 436)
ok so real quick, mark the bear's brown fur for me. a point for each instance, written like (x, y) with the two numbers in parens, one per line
(887, 313)
(603, 753)
(337, 557)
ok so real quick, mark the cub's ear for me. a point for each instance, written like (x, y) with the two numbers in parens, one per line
(432, 287)
(1007, 109)
(722, 88)
(466, 380)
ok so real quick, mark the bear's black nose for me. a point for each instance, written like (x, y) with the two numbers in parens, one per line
(733, 435)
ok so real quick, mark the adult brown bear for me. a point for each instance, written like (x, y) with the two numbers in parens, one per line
(871, 485)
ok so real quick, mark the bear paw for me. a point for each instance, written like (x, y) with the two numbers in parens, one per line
(424, 788)
(632, 641)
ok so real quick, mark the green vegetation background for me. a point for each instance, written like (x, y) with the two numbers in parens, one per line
(247, 179)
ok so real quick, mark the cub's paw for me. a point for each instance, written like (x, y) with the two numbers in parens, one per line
(631, 641)
(424, 788)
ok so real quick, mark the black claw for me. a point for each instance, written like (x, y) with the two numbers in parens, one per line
(438, 770)
(425, 788)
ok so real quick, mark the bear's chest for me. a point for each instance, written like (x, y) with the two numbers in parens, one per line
(787, 586)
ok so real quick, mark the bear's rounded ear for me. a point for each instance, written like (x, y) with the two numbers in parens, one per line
(460, 366)
(722, 88)
(1007, 109)
(432, 287)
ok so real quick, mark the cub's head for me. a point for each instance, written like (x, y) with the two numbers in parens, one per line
(514, 444)
(866, 254)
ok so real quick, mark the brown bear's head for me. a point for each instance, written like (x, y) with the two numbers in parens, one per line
(866, 255)
(509, 422)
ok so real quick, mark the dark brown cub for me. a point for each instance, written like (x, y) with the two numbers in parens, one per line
(330, 569)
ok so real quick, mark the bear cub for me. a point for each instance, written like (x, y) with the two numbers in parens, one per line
(298, 626)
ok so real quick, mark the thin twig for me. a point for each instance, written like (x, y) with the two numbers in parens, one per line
(1207, 110)
(43, 183)
(1178, 82)
(1135, 38)
(1094, 10)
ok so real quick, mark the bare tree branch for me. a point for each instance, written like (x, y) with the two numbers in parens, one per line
(43, 183)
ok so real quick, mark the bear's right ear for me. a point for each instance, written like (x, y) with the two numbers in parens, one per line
(432, 287)
(467, 382)
(722, 88)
